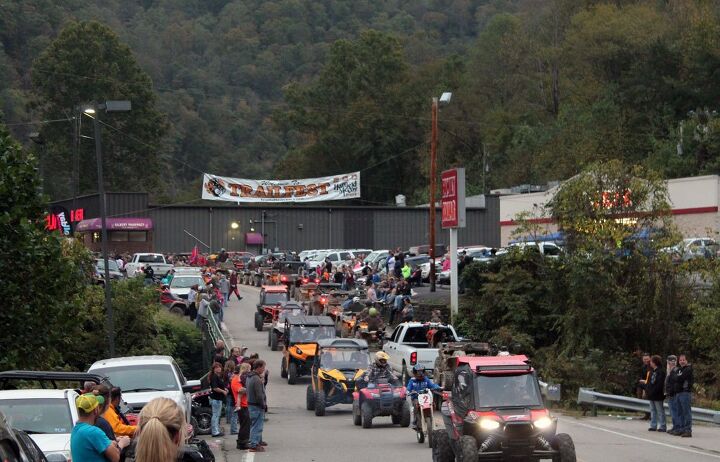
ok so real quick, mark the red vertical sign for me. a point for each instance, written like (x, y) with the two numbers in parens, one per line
(453, 198)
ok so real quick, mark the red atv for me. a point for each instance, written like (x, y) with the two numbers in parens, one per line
(496, 412)
(381, 399)
(269, 306)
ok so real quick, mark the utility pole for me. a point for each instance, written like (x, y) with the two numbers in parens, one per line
(76, 158)
(433, 174)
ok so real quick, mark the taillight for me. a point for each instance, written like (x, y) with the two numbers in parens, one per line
(305, 280)
(317, 281)
(413, 358)
(283, 278)
(323, 300)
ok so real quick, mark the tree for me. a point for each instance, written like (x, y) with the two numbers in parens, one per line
(87, 64)
(39, 282)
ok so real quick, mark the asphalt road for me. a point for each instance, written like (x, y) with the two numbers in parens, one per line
(295, 434)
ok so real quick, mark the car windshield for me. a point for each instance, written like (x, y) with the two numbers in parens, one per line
(42, 415)
(304, 334)
(112, 265)
(492, 391)
(334, 358)
(141, 377)
(151, 259)
(185, 282)
(273, 298)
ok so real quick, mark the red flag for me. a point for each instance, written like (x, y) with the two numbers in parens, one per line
(194, 255)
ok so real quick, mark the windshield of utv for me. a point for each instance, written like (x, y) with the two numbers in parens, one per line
(334, 358)
(502, 391)
(274, 298)
(305, 334)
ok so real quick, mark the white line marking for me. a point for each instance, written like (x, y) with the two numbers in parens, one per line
(679, 448)
(248, 457)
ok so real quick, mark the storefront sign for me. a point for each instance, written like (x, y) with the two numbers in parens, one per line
(453, 198)
(61, 219)
(116, 224)
(344, 186)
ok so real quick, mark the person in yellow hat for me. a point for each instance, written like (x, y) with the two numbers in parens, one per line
(88, 443)
(380, 370)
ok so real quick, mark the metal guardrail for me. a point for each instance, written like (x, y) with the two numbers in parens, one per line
(592, 397)
(215, 332)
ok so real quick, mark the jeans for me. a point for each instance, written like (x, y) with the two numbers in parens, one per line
(230, 415)
(243, 418)
(216, 406)
(657, 415)
(257, 420)
(684, 411)
(226, 299)
(672, 404)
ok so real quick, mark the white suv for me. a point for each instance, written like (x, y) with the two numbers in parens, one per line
(47, 415)
(143, 378)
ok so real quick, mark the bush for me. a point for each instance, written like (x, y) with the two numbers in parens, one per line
(184, 340)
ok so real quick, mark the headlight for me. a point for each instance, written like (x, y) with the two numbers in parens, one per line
(58, 456)
(543, 422)
(489, 424)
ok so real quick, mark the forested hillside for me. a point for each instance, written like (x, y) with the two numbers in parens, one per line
(257, 88)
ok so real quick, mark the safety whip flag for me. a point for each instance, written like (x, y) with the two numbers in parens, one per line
(337, 187)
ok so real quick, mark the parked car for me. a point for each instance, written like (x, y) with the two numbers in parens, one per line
(143, 378)
(336, 257)
(140, 260)
(113, 269)
(693, 247)
(181, 283)
(408, 346)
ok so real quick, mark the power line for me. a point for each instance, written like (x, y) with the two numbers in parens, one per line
(38, 122)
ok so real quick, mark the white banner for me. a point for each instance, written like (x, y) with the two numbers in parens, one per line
(220, 188)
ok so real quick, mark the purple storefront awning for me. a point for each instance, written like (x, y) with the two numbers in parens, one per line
(253, 239)
(116, 224)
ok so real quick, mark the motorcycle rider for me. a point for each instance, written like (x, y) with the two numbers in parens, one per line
(380, 370)
(374, 321)
(416, 385)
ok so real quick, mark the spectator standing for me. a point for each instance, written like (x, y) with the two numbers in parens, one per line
(644, 377)
(222, 256)
(655, 393)
(219, 353)
(406, 271)
(230, 416)
(224, 286)
(102, 393)
(237, 385)
(257, 405)
(237, 354)
(671, 394)
(203, 308)
(218, 392)
(161, 431)
(88, 443)
(683, 378)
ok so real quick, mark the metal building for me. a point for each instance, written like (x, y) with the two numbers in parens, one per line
(178, 228)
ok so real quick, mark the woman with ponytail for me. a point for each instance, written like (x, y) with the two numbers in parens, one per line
(161, 431)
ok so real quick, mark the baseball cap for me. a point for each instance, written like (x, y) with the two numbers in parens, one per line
(87, 402)
(672, 358)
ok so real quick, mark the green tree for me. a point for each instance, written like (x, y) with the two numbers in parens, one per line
(39, 283)
(87, 63)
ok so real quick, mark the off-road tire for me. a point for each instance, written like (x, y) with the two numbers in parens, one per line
(429, 428)
(442, 448)
(310, 399)
(367, 415)
(273, 340)
(395, 418)
(177, 309)
(320, 403)
(203, 416)
(405, 415)
(420, 435)
(468, 449)
(283, 369)
(292, 374)
(447, 380)
(565, 446)
(269, 334)
(357, 417)
(404, 375)
(259, 322)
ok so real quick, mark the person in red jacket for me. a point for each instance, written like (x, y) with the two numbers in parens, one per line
(234, 285)
(237, 385)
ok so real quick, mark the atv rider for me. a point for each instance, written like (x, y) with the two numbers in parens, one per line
(380, 370)
(418, 384)
(374, 321)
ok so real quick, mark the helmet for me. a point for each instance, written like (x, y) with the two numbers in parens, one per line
(418, 369)
(373, 312)
(356, 299)
(381, 355)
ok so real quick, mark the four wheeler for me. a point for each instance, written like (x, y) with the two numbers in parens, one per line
(277, 328)
(348, 319)
(301, 336)
(172, 302)
(424, 412)
(496, 412)
(337, 366)
(290, 274)
(381, 399)
(321, 297)
(271, 298)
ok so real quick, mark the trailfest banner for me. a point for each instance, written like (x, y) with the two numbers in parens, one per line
(220, 188)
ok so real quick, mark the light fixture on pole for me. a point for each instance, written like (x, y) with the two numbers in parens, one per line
(92, 111)
(444, 99)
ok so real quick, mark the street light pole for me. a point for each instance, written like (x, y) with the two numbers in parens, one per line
(93, 112)
(433, 174)
(103, 235)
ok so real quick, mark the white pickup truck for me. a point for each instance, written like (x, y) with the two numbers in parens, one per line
(408, 345)
(140, 260)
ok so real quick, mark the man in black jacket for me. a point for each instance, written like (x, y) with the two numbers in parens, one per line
(682, 378)
(655, 392)
(257, 404)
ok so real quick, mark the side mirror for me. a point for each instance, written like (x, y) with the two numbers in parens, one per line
(192, 386)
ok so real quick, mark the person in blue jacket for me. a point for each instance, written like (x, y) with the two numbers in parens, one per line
(418, 384)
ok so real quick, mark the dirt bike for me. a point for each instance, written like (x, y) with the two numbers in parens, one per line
(423, 409)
